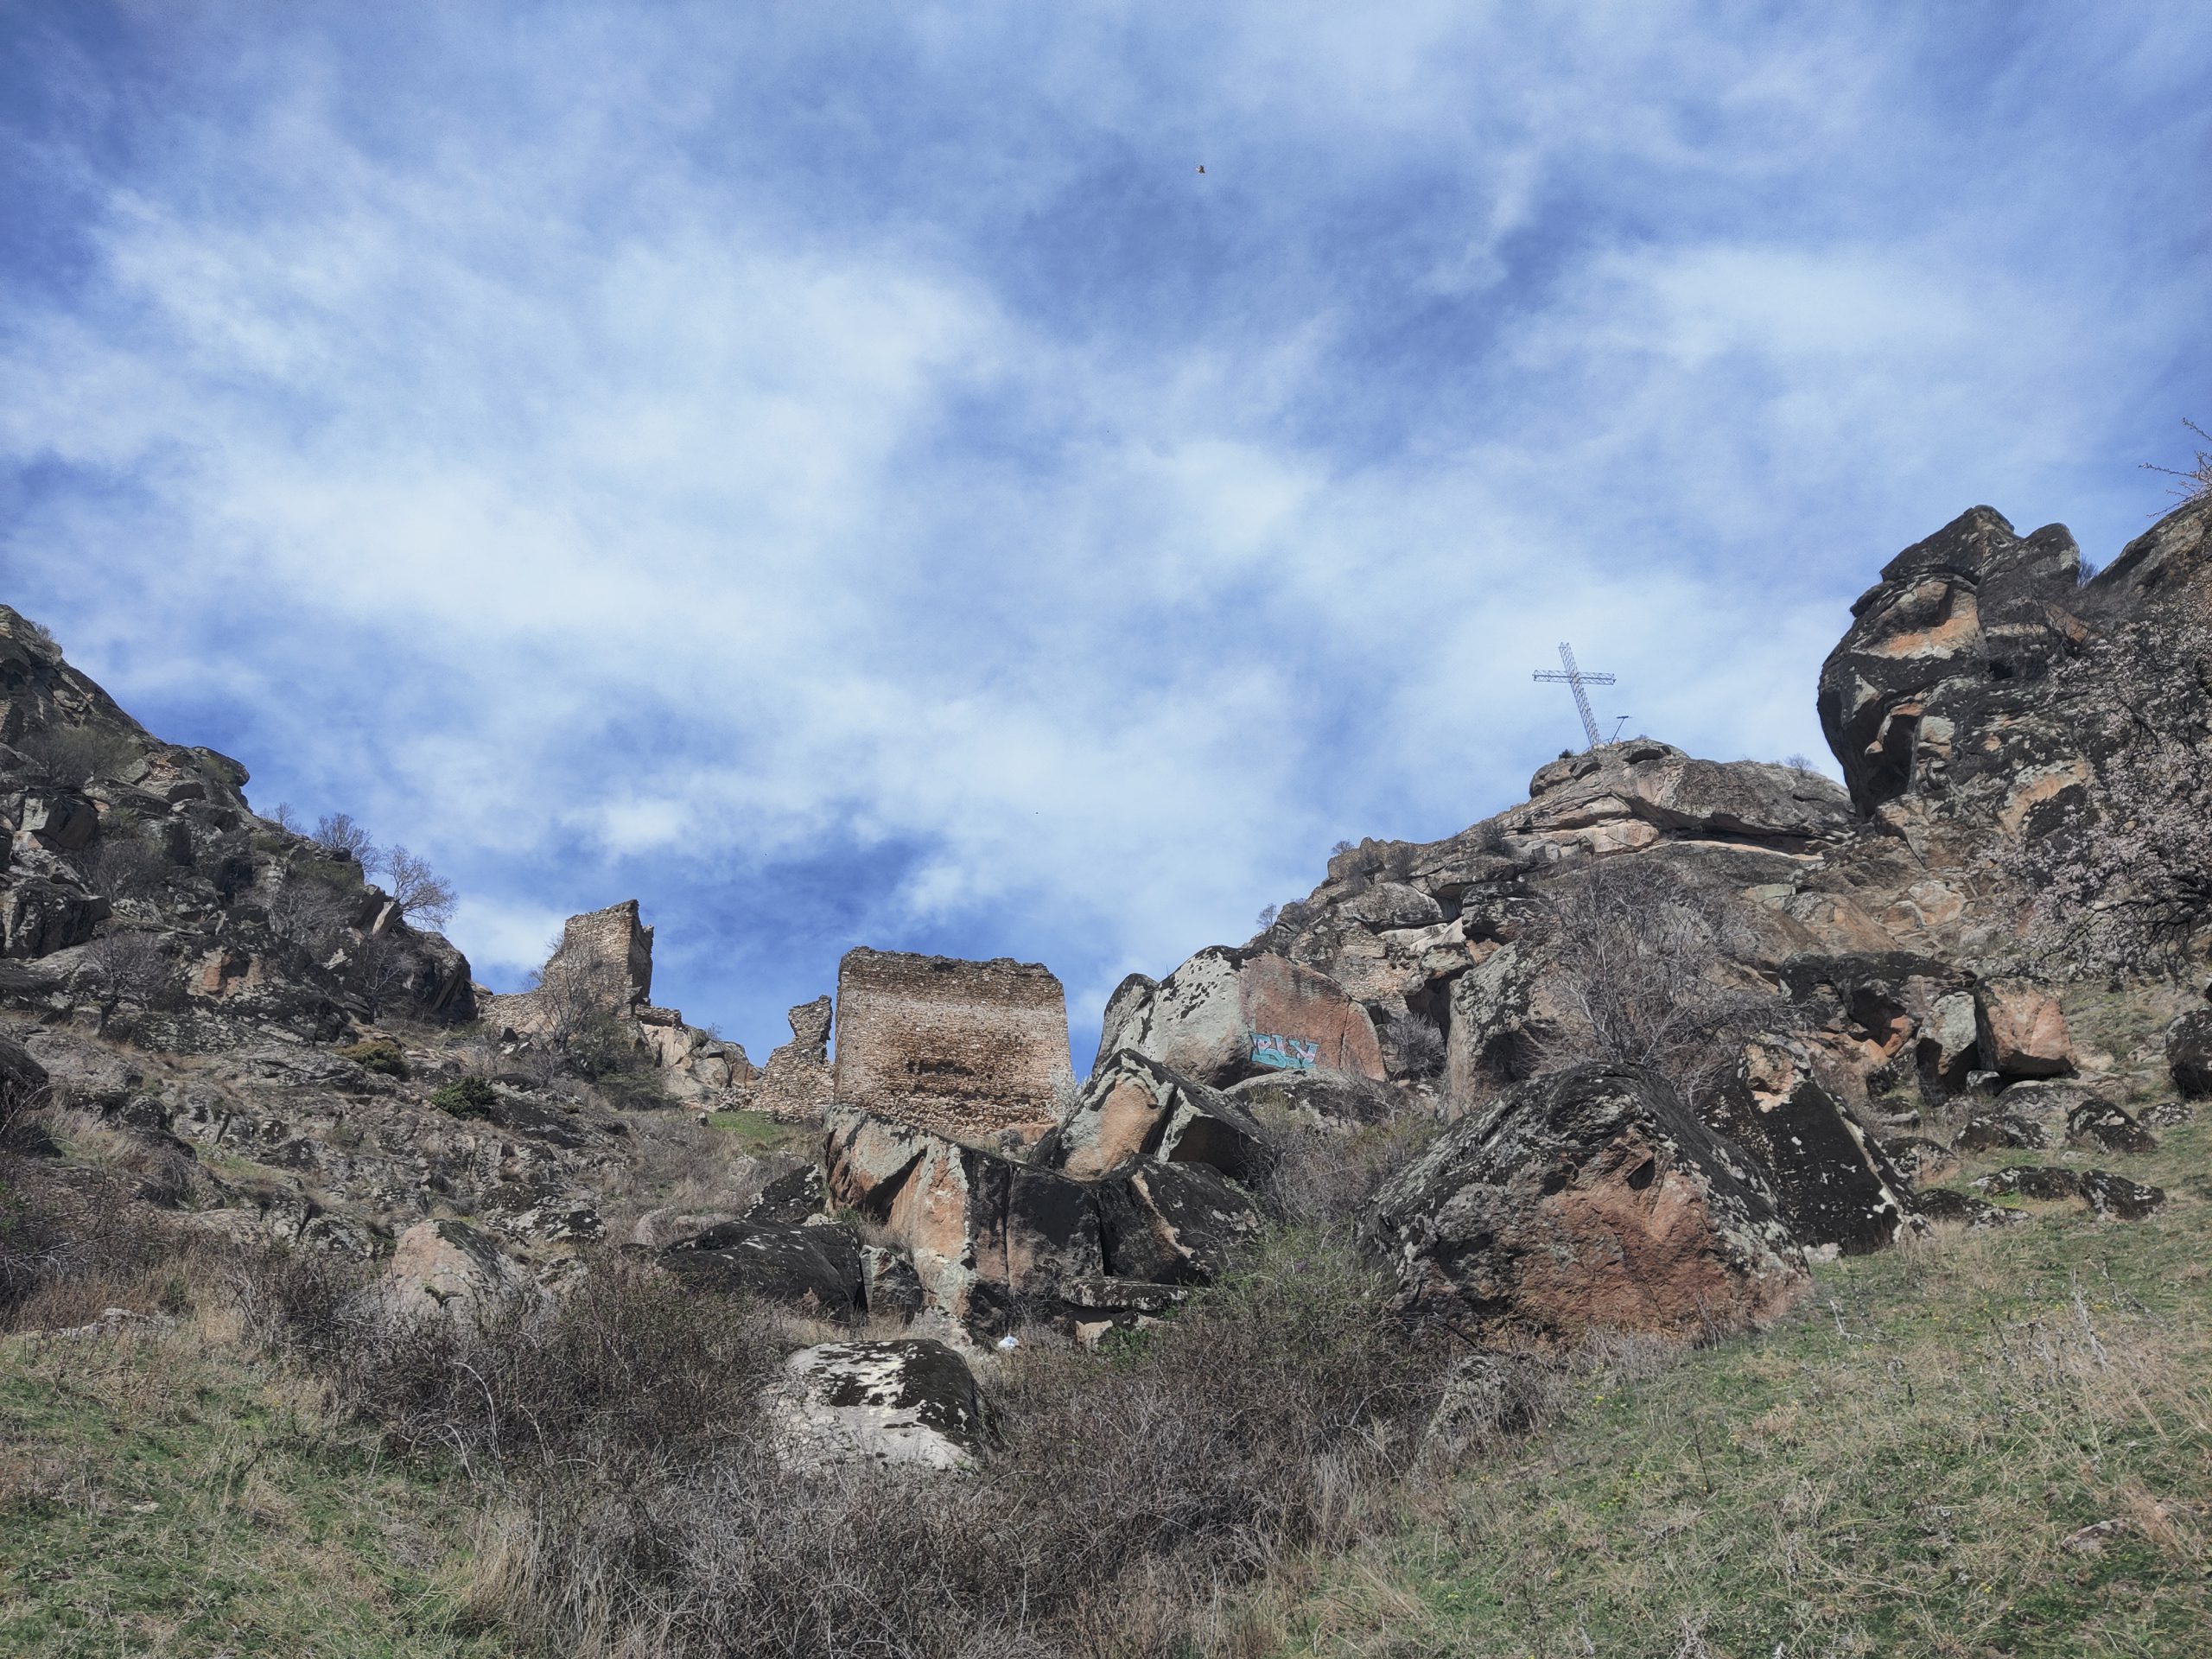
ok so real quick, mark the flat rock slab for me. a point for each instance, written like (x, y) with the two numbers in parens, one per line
(815, 1268)
(911, 1402)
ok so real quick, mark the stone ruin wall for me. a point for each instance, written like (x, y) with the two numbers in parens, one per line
(968, 1049)
(795, 1087)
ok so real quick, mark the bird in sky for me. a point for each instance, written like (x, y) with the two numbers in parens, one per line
(1202, 167)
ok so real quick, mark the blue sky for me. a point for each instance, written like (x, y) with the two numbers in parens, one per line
(841, 475)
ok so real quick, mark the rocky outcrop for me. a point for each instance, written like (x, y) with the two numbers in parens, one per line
(450, 1267)
(1924, 695)
(815, 1269)
(1590, 1200)
(905, 1404)
(2021, 1030)
(1134, 1107)
(994, 1240)
(1202, 1018)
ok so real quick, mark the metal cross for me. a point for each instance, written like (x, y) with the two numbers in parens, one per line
(1577, 678)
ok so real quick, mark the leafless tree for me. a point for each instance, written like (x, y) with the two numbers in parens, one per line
(1641, 976)
(1415, 1045)
(2118, 879)
(121, 865)
(1266, 917)
(417, 889)
(2193, 482)
(337, 832)
(378, 969)
(127, 967)
(312, 914)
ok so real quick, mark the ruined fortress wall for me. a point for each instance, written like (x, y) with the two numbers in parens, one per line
(963, 1049)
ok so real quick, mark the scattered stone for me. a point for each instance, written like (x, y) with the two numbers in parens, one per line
(1920, 1159)
(2102, 1124)
(2167, 1114)
(1945, 1204)
(2110, 1197)
(2091, 1540)
(911, 1402)
(1588, 1200)
(1994, 1128)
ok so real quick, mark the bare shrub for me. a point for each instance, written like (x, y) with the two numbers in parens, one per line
(1640, 962)
(74, 755)
(1327, 1178)
(1415, 1045)
(121, 864)
(337, 833)
(624, 1363)
(1125, 1492)
(2118, 878)
(2193, 482)
(417, 889)
(1266, 919)
(128, 968)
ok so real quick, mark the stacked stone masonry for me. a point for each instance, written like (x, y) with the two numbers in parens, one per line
(968, 1049)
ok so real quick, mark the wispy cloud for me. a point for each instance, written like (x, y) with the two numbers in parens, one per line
(846, 480)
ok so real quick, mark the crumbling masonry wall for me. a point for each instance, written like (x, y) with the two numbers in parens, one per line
(968, 1049)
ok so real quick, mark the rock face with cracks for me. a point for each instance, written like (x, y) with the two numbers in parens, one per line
(1592, 1200)
(1134, 1107)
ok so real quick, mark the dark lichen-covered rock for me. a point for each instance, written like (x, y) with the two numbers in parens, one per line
(2188, 1052)
(1589, 1200)
(2102, 1124)
(1996, 1127)
(2109, 1196)
(788, 1200)
(1946, 1204)
(1833, 1185)
(818, 1268)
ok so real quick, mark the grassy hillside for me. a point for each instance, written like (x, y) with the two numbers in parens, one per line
(160, 1494)
(1907, 1465)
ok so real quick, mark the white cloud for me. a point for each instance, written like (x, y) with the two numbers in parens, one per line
(673, 453)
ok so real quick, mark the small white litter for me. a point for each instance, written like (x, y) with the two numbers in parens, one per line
(1008, 1343)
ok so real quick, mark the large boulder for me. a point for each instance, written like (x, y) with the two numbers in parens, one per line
(1832, 1183)
(817, 1269)
(1134, 1108)
(1205, 1018)
(910, 1402)
(450, 1267)
(1949, 1045)
(2022, 1030)
(2102, 1124)
(1593, 1199)
(2188, 1052)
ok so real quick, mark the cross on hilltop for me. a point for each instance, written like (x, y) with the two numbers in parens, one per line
(1577, 678)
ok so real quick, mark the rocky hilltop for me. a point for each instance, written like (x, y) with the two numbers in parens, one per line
(1803, 1001)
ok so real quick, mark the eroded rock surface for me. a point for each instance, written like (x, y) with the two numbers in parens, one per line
(1591, 1200)
(906, 1403)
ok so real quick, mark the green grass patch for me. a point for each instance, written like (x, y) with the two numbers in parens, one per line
(161, 1496)
(757, 1132)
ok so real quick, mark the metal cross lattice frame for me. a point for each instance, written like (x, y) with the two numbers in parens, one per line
(1576, 679)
